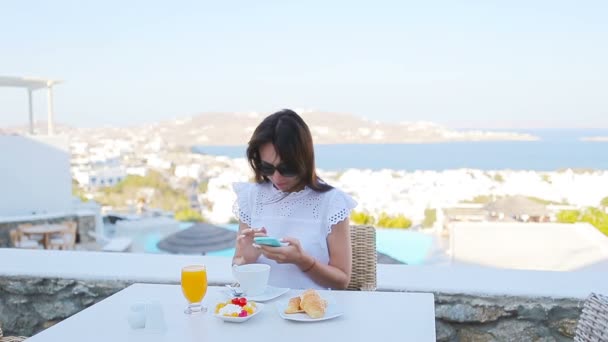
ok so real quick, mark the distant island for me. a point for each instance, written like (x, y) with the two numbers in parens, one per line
(327, 128)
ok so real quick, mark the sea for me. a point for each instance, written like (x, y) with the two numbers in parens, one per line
(557, 149)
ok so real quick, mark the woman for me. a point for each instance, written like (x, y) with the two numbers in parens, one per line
(288, 201)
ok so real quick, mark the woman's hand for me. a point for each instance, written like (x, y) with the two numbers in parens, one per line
(290, 254)
(246, 253)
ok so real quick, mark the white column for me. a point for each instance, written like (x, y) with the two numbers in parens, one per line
(31, 110)
(49, 99)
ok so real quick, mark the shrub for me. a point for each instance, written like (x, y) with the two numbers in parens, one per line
(359, 217)
(594, 216)
(77, 191)
(597, 218)
(203, 187)
(430, 216)
(499, 178)
(399, 221)
(542, 200)
(568, 216)
(481, 199)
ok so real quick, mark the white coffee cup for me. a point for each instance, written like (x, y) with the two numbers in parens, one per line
(253, 278)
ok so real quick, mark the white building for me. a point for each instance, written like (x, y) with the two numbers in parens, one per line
(35, 169)
(35, 179)
(156, 162)
(100, 177)
(34, 175)
(188, 171)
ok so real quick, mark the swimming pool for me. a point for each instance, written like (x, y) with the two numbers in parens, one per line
(406, 246)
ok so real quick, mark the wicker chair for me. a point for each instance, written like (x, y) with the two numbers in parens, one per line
(10, 338)
(593, 323)
(363, 241)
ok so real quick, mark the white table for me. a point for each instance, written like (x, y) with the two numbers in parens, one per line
(368, 316)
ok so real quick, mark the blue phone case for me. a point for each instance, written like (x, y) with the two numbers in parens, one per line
(268, 241)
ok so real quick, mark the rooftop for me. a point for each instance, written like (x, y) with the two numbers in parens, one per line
(27, 82)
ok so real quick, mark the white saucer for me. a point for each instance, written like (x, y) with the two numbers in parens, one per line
(270, 293)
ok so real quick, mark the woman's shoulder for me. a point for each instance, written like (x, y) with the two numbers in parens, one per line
(335, 196)
(332, 191)
(338, 197)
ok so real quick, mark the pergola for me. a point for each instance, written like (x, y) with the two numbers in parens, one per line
(32, 84)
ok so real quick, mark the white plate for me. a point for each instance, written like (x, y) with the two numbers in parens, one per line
(258, 309)
(333, 310)
(270, 293)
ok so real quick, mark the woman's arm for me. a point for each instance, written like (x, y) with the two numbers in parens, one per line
(336, 274)
(245, 253)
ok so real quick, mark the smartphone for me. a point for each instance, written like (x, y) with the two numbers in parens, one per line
(269, 241)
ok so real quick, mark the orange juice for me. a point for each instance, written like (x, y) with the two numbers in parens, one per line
(194, 283)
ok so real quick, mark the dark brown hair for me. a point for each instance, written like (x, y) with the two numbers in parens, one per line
(292, 140)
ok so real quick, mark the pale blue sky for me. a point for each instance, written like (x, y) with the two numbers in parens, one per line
(472, 63)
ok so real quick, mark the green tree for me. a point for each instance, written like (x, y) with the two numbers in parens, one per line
(568, 216)
(152, 187)
(604, 202)
(77, 191)
(430, 216)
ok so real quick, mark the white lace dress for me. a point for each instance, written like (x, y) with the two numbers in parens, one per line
(306, 215)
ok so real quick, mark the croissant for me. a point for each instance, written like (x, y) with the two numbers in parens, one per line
(313, 304)
(294, 306)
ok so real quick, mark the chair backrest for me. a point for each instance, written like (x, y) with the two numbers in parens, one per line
(593, 323)
(365, 259)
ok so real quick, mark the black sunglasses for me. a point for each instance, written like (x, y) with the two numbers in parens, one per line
(268, 169)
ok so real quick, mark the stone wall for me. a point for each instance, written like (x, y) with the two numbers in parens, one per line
(84, 225)
(495, 318)
(29, 305)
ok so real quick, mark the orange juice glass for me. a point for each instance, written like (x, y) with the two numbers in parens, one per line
(194, 287)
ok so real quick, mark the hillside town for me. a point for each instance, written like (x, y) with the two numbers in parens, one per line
(104, 157)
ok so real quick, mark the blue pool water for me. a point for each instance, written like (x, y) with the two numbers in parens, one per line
(409, 247)
(406, 246)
